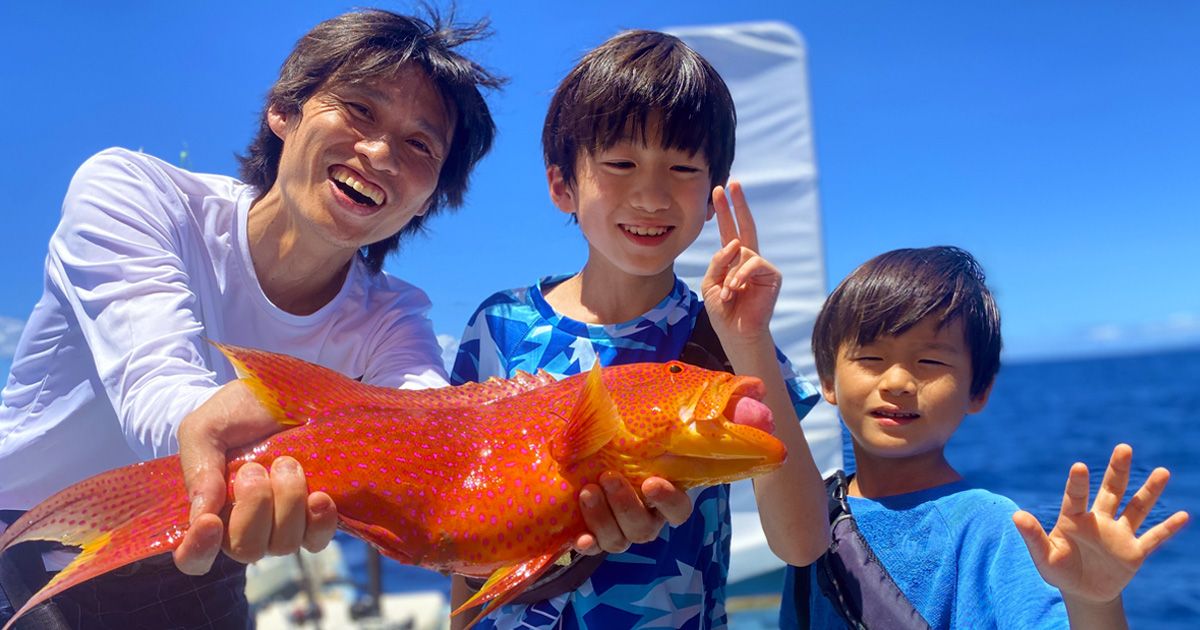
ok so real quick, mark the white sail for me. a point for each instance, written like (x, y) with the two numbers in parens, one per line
(764, 64)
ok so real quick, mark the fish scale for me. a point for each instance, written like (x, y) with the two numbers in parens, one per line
(481, 479)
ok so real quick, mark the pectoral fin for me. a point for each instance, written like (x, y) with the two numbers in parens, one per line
(506, 583)
(593, 423)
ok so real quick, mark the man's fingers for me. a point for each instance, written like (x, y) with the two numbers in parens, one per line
(675, 505)
(747, 233)
(200, 546)
(1116, 479)
(1075, 497)
(250, 518)
(322, 521)
(290, 494)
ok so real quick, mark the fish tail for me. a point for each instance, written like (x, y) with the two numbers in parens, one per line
(116, 518)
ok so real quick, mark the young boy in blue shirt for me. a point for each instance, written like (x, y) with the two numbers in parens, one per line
(638, 142)
(906, 347)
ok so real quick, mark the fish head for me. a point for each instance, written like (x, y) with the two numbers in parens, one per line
(693, 426)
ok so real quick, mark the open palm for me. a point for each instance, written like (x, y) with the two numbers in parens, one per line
(1094, 554)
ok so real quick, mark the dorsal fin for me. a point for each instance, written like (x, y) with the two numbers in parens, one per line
(296, 390)
(594, 422)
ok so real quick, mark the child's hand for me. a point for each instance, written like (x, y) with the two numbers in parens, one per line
(1093, 555)
(740, 287)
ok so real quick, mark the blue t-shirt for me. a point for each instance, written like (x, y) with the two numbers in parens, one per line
(675, 581)
(954, 551)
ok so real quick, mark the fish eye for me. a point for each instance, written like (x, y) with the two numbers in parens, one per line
(675, 368)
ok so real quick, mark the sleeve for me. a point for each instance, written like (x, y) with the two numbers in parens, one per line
(115, 257)
(803, 394)
(996, 572)
(410, 355)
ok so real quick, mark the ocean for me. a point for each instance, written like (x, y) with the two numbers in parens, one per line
(1041, 418)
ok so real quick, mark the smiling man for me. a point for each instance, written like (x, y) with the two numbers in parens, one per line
(373, 126)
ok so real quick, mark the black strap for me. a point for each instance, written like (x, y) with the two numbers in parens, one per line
(853, 578)
(703, 348)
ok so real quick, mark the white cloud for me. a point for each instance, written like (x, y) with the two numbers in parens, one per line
(1106, 333)
(10, 331)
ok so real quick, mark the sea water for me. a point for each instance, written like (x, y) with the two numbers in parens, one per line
(1041, 418)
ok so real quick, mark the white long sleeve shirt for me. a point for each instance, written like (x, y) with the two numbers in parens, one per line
(148, 262)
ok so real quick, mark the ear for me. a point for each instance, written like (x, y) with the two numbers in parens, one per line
(979, 402)
(560, 193)
(277, 121)
(712, 208)
(828, 391)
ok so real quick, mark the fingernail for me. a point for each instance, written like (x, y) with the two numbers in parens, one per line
(611, 484)
(323, 505)
(285, 465)
(252, 472)
(589, 498)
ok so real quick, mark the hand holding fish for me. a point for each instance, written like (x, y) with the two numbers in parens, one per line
(616, 517)
(272, 514)
(1092, 555)
(740, 287)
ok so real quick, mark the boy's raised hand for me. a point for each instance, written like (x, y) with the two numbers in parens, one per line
(1092, 555)
(740, 287)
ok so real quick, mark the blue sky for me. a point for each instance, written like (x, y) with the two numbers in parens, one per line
(1059, 142)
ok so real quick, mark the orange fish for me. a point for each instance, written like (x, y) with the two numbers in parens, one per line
(481, 479)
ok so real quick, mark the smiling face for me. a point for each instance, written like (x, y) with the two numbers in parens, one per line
(903, 396)
(639, 205)
(359, 161)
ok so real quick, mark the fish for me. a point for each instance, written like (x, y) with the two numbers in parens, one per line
(480, 479)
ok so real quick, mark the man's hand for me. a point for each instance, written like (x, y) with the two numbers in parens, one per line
(272, 514)
(1091, 555)
(617, 517)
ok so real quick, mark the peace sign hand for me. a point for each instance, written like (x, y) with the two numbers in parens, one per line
(740, 287)
(1092, 555)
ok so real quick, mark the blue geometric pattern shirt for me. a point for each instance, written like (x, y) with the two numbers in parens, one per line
(675, 581)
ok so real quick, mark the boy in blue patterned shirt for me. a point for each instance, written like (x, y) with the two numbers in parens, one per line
(638, 143)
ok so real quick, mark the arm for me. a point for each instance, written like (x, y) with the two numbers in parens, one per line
(740, 290)
(117, 257)
(1091, 556)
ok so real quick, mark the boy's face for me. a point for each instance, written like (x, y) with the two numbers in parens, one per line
(904, 396)
(638, 205)
(362, 160)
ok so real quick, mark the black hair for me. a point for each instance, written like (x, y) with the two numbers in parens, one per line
(892, 292)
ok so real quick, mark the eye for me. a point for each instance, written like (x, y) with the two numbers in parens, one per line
(932, 362)
(421, 146)
(685, 169)
(360, 110)
(675, 368)
(621, 165)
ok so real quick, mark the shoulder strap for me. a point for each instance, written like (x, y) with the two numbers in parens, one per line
(703, 348)
(853, 579)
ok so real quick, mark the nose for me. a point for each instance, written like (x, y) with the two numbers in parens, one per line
(898, 381)
(651, 194)
(378, 153)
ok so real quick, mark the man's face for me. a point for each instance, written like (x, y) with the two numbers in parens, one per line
(904, 396)
(639, 205)
(361, 160)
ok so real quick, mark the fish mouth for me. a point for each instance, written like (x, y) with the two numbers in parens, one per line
(733, 444)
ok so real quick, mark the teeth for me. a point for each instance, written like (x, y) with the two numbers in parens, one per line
(645, 231)
(346, 177)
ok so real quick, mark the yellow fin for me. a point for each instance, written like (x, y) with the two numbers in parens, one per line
(506, 583)
(593, 423)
